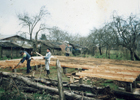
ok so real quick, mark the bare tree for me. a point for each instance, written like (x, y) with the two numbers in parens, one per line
(32, 21)
(127, 31)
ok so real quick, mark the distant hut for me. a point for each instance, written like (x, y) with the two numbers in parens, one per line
(10, 46)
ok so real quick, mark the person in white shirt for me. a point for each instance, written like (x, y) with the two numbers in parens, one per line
(47, 61)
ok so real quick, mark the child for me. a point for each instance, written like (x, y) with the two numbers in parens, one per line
(47, 60)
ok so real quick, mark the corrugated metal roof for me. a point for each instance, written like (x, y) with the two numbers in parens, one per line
(7, 43)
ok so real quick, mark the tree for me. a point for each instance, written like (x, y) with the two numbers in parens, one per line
(93, 41)
(56, 34)
(127, 32)
(43, 37)
(32, 21)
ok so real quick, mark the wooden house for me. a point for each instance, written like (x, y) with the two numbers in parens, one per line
(10, 46)
(54, 46)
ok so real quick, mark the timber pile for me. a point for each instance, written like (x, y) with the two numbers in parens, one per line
(126, 71)
(30, 84)
(39, 85)
(122, 74)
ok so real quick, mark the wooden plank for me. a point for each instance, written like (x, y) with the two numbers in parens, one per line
(104, 76)
(124, 72)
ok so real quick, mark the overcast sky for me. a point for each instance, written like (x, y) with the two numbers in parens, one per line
(74, 16)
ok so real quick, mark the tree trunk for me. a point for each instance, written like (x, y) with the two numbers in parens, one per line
(106, 51)
(136, 56)
(35, 43)
(30, 36)
(132, 54)
(100, 50)
(93, 51)
(109, 53)
(34, 46)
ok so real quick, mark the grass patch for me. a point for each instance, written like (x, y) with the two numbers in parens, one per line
(1, 90)
(119, 99)
(43, 96)
(7, 58)
(110, 84)
(112, 56)
(105, 83)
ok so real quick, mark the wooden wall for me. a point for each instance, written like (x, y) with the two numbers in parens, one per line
(11, 52)
(43, 51)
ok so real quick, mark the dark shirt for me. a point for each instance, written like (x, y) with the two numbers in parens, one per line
(26, 56)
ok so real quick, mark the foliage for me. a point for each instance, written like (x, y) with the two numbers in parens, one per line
(43, 37)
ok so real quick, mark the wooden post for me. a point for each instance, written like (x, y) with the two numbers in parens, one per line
(33, 73)
(64, 70)
(60, 84)
(36, 67)
(81, 80)
(14, 70)
(134, 84)
(128, 87)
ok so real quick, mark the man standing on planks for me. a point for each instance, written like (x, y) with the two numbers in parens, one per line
(26, 56)
(68, 50)
(47, 60)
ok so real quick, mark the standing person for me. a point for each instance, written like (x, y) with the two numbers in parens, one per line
(27, 57)
(68, 50)
(47, 60)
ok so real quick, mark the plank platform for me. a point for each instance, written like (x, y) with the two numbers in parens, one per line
(120, 70)
(111, 74)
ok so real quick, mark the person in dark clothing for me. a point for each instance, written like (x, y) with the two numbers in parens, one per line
(27, 57)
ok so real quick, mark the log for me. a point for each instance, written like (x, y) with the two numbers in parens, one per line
(81, 81)
(42, 87)
(64, 70)
(126, 95)
(79, 87)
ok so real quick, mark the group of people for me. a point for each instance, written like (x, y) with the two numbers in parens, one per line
(26, 56)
